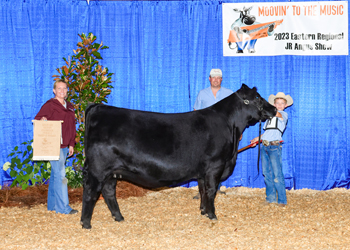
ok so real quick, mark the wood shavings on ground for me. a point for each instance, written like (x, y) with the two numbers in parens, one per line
(171, 219)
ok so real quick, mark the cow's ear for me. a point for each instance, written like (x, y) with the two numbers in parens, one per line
(244, 86)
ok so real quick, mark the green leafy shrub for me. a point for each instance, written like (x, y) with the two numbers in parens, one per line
(27, 172)
(88, 82)
(24, 170)
(74, 177)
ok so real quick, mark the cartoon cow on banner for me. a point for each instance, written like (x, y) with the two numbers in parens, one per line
(245, 31)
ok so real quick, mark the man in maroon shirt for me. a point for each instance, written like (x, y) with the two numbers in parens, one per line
(58, 109)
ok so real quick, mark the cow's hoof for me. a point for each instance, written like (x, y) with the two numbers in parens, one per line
(212, 217)
(204, 211)
(85, 226)
(118, 218)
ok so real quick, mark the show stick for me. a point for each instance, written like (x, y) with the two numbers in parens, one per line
(250, 145)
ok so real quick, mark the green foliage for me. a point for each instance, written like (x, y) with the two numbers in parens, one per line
(27, 172)
(74, 177)
(88, 82)
(24, 170)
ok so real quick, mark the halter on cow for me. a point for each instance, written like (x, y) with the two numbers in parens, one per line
(155, 149)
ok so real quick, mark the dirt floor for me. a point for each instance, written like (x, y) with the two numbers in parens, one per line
(170, 219)
(32, 196)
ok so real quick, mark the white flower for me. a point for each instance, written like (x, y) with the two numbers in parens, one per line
(6, 166)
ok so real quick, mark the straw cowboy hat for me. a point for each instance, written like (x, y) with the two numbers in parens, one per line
(288, 98)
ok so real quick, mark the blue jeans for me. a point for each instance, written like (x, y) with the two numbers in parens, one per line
(271, 158)
(57, 197)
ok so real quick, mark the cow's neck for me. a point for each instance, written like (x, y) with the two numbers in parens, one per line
(232, 108)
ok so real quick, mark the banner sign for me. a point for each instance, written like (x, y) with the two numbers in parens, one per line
(285, 28)
(47, 140)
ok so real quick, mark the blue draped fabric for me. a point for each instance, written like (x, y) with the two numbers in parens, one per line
(161, 53)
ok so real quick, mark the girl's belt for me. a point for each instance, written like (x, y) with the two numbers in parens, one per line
(268, 143)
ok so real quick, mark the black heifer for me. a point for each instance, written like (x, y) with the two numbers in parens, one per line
(154, 149)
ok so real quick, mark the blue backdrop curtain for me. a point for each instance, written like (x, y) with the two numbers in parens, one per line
(161, 53)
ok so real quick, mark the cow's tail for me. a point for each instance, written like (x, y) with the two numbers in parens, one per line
(87, 121)
(88, 109)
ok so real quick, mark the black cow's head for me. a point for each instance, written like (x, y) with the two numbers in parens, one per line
(245, 16)
(257, 107)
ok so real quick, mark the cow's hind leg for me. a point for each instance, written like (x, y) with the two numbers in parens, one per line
(91, 193)
(109, 195)
(201, 189)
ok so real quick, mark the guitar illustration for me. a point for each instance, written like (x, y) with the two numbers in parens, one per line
(251, 32)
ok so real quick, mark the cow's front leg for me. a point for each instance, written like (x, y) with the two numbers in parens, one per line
(211, 184)
(109, 195)
(91, 193)
(212, 187)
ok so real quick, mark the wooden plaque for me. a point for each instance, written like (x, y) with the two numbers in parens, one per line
(47, 140)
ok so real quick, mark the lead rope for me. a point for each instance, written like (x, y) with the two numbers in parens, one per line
(259, 149)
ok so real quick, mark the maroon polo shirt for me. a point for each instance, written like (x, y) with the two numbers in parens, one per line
(53, 110)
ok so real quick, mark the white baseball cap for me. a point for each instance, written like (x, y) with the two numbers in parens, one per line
(215, 72)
